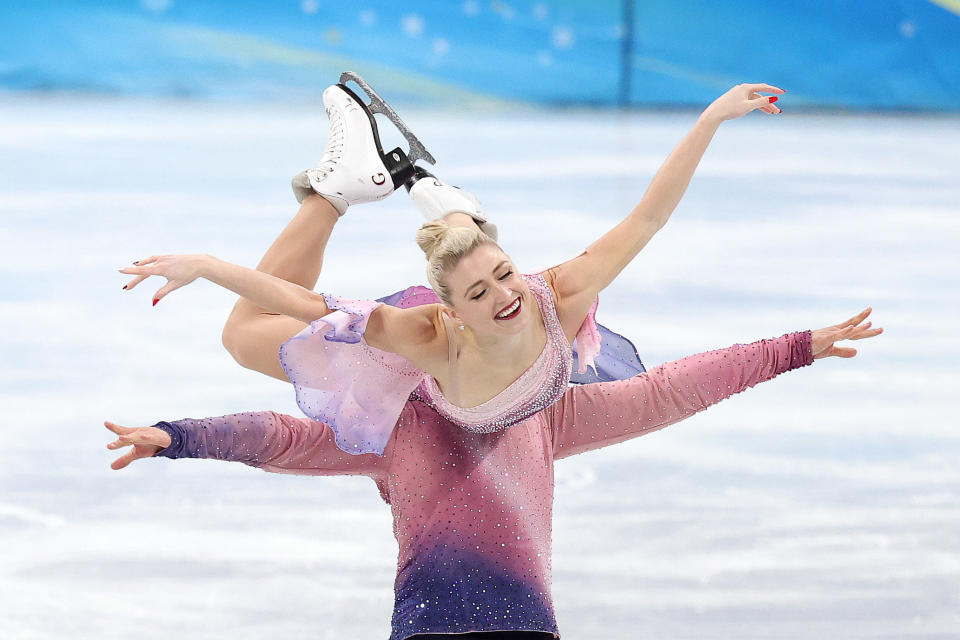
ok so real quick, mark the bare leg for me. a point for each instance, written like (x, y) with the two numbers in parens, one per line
(253, 334)
(297, 253)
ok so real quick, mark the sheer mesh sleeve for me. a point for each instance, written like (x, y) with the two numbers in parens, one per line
(605, 413)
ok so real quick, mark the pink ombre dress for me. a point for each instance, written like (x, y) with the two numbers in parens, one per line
(472, 509)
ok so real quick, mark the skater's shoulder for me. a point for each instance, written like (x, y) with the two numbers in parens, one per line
(550, 277)
(571, 299)
(416, 333)
(574, 281)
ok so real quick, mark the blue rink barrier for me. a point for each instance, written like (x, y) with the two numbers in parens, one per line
(849, 54)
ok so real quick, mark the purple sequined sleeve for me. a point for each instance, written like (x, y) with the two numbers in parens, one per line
(270, 441)
(175, 448)
(605, 413)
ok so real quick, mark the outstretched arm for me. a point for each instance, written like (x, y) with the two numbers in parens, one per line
(267, 440)
(263, 289)
(604, 413)
(597, 415)
(578, 281)
(411, 333)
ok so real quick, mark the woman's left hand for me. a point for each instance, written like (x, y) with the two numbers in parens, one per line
(741, 100)
(179, 270)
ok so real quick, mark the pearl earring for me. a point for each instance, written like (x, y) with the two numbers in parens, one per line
(462, 327)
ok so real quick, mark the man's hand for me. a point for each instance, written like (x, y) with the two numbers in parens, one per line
(823, 339)
(146, 441)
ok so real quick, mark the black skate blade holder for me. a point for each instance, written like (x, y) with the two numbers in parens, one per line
(399, 162)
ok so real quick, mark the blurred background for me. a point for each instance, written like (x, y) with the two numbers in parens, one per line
(833, 54)
(821, 504)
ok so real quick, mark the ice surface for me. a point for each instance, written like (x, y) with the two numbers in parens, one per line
(822, 504)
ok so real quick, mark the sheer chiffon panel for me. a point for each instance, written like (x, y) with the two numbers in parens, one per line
(617, 360)
(588, 340)
(341, 380)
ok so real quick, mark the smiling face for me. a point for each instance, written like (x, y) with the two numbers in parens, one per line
(485, 283)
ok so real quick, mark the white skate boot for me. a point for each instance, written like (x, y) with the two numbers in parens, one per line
(354, 167)
(435, 200)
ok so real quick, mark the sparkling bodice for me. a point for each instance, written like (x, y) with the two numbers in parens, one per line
(538, 387)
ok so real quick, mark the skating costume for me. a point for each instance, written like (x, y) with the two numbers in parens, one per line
(359, 390)
(472, 510)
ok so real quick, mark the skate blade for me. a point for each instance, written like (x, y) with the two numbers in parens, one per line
(378, 105)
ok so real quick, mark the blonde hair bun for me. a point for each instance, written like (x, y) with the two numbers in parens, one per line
(430, 236)
(444, 244)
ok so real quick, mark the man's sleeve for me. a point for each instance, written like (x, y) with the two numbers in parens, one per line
(600, 414)
(270, 441)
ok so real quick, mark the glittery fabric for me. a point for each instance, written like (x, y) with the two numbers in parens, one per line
(472, 512)
(359, 390)
(486, 635)
(538, 387)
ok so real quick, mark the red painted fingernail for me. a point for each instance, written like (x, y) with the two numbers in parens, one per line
(155, 301)
(773, 98)
(124, 286)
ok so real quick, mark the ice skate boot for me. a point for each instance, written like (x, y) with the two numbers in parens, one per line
(435, 200)
(354, 167)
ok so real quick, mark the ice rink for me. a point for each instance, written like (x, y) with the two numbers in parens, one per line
(822, 504)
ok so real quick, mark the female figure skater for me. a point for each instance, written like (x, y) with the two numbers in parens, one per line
(467, 468)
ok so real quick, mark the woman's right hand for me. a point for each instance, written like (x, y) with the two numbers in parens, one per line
(823, 339)
(741, 100)
(179, 270)
(146, 441)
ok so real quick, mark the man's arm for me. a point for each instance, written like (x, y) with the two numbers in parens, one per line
(600, 414)
(270, 441)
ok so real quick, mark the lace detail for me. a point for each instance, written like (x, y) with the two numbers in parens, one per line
(538, 387)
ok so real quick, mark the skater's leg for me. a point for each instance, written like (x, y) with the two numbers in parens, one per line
(297, 253)
(252, 334)
(354, 169)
